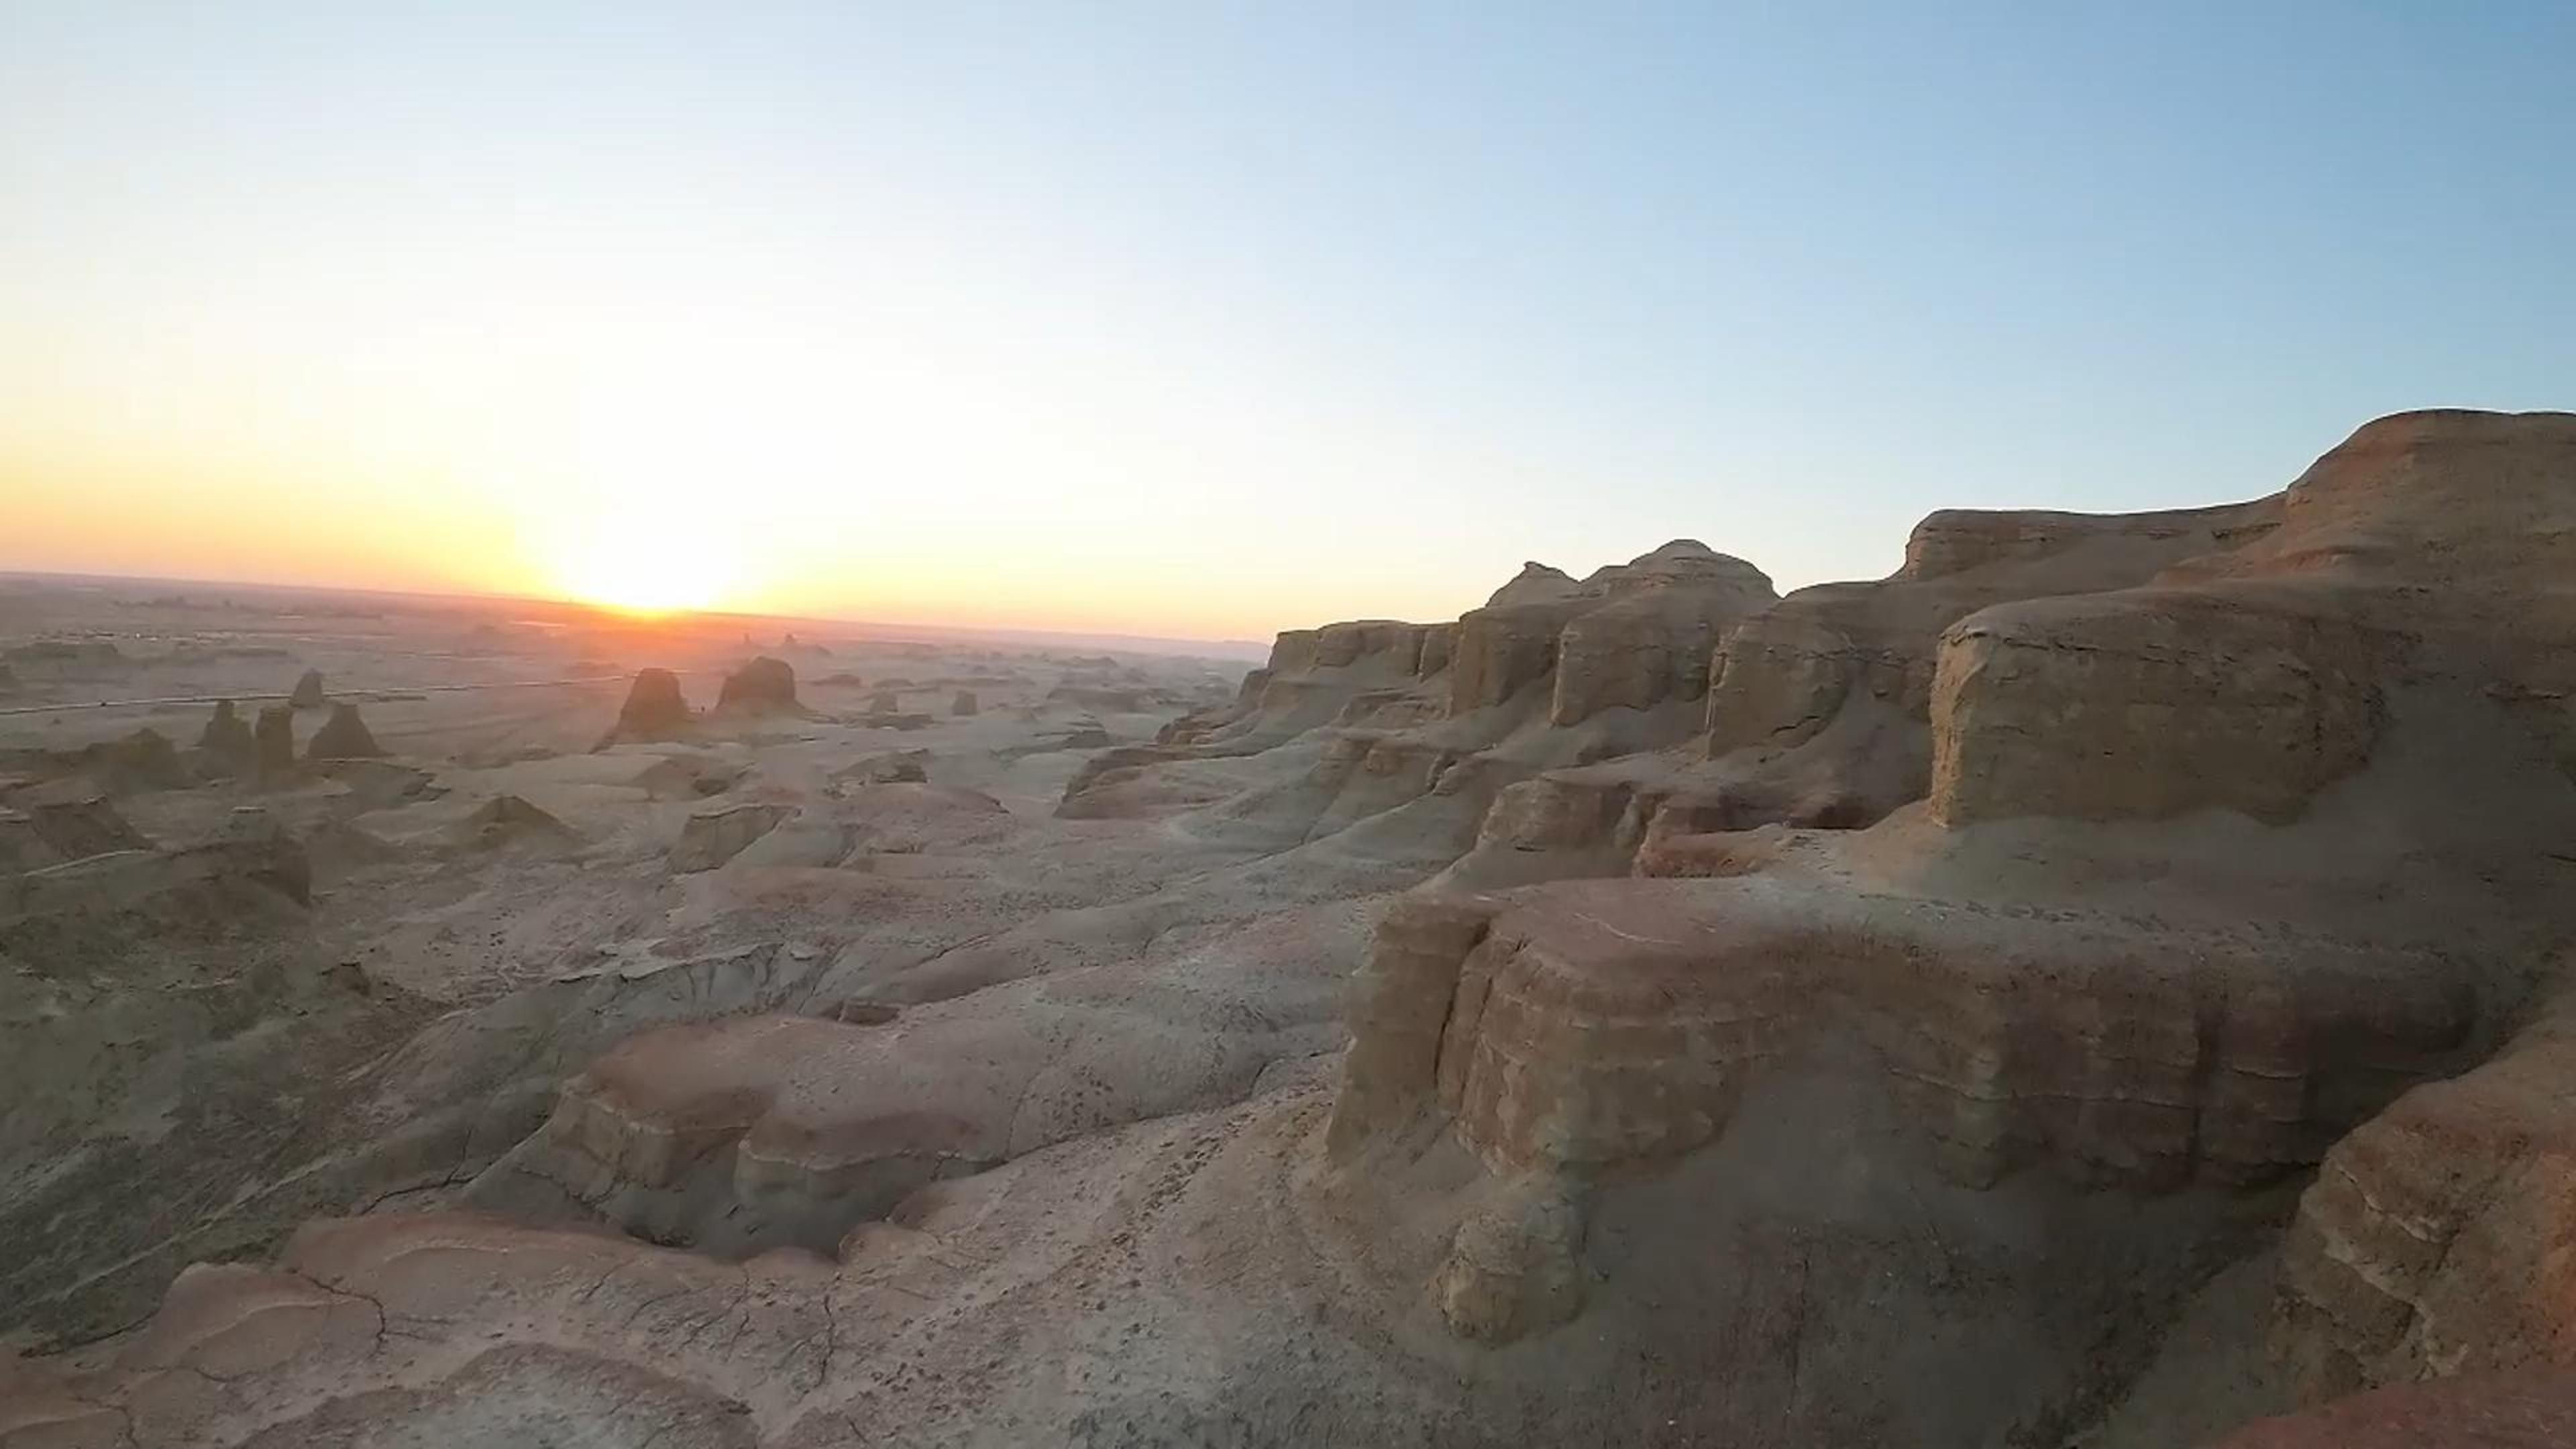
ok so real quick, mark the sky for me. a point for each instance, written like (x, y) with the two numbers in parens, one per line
(1206, 319)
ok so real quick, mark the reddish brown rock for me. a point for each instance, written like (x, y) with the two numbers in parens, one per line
(2436, 1238)
(1605, 1025)
(2424, 553)
(1652, 639)
(2532, 1409)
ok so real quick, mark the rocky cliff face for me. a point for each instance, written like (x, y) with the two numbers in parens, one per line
(2110, 961)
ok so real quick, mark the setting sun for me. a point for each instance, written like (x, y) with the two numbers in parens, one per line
(643, 566)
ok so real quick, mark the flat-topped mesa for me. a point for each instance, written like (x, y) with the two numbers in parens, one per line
(1827, 695)
(1314, 677)
(1549, 1040)
(2423, 555)
(1339, 646)
(1786, 673)
(1952, 541)
(764, 685)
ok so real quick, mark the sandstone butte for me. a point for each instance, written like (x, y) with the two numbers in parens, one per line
(2103, 983)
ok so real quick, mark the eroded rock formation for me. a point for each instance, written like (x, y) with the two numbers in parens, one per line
(765, 685)
(344, 736)
(2109, 962)
(227, 737)
(717, 833)
(275, 740)
(655, 709)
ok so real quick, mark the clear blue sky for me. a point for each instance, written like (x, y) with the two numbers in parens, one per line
(1282, 312)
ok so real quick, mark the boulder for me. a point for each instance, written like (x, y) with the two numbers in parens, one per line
(344, 736)
(1512, 1271)
(308, 691)
(964, 704)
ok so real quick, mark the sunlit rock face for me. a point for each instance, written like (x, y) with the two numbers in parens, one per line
(1652, 638)
(1631, 635)
(2112, 965)
(1594, 1027)
(1785, 676)
(2434, 1240)
(2421, 555)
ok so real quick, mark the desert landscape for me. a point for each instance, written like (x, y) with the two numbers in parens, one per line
(2102, 984)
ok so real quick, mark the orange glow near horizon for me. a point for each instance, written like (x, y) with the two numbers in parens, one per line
(643, 567)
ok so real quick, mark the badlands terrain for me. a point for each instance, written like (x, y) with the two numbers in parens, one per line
(2100, 985)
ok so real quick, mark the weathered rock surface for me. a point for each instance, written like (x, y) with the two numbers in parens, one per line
(1569, 1044)
(49, 829)
(2061, 969)
(655, 709)
(1512, 1271)
(275, 738)
(1653, 639)
(717, 833)
(765, 685)
(1828, 696)
(227, 737)
(508, 820)
(2434, 1240)
(2526, 1410)
(886, 768)
(344, 736)
(2421, 552)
